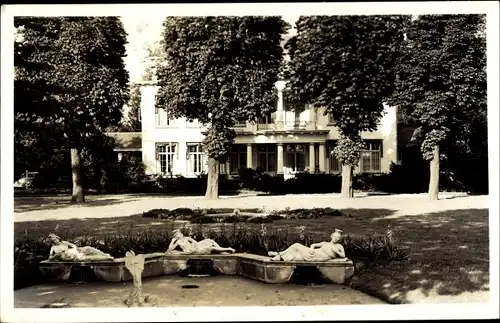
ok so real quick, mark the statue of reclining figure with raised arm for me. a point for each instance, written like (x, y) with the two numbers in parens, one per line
(67, 251)
(189, 246)
(322, 251)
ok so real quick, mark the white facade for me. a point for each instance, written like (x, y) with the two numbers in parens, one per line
(286, 142)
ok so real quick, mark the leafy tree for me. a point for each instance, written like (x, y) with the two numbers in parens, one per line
(442, 84)
(130, 122)
(220, 70)
(345, 64)
(36, 150)
(70, 74)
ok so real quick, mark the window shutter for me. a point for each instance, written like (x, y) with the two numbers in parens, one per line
(381, 148)
(187, 152)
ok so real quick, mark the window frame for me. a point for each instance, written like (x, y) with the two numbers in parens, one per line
(171, 152)
(170, 121)
(240, 151)
(198, 161)
(266, 152)
(293, 155)
(333, 160)
(372, 147)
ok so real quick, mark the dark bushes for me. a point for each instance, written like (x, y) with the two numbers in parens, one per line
(411, 176)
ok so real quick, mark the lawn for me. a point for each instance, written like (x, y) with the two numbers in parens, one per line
(449, 250)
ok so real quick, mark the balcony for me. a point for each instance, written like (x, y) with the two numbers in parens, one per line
(265, 125)
(298, 125)
(287, 125)
(240, 126)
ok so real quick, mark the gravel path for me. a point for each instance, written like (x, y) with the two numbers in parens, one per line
(109, 206)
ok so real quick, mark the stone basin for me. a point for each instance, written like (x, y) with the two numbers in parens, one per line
(244, 264)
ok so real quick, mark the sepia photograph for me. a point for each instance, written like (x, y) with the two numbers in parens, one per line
(266, 161)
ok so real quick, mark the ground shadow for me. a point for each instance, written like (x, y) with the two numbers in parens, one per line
(449, 255)
(27, 204)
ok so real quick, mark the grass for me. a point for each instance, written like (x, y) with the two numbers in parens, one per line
(449, 251)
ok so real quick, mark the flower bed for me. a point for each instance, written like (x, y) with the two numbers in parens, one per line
(238, 215)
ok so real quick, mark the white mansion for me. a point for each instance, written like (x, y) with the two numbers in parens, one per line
(291, 139)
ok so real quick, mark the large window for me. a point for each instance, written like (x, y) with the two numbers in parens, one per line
(267, 157)
(371, 156)
(335, 166)
(296, 157)
(194, 158)
(166, 156)
(238, 158)
(162, 118)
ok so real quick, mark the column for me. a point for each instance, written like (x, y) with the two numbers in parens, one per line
(249, 156)
(280, 158)
(280, 86)
(321, 157)
(312, 160)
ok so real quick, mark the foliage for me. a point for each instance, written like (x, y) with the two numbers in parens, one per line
(36, 150)
(220, 70)
(69, 76)
(374, 248)
(441, 78)
(345, 64)
(130, 122)
(126, 176)
(70, 72)
(347, 150)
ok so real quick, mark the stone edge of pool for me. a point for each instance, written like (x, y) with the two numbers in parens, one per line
(243, 264)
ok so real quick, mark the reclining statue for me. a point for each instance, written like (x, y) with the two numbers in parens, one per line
(322, 251)
(67, 251)
(189, 246)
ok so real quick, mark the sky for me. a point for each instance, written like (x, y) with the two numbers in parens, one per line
(144, 31)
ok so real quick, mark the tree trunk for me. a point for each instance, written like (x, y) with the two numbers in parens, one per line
(77, 195)
(212, 179)
(434, 178)
(346, 190)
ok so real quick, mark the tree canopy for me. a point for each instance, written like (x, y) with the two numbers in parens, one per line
(70, 77)
(220, 70)
(346, 65)
(441, 84)
(70, 73)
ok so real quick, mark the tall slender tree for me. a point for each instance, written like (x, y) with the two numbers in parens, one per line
(220, 70)
(442, 84)
(346, 65)
(70, 74)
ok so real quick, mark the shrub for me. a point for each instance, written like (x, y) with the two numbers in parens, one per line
(307, 183)
(374, 248)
